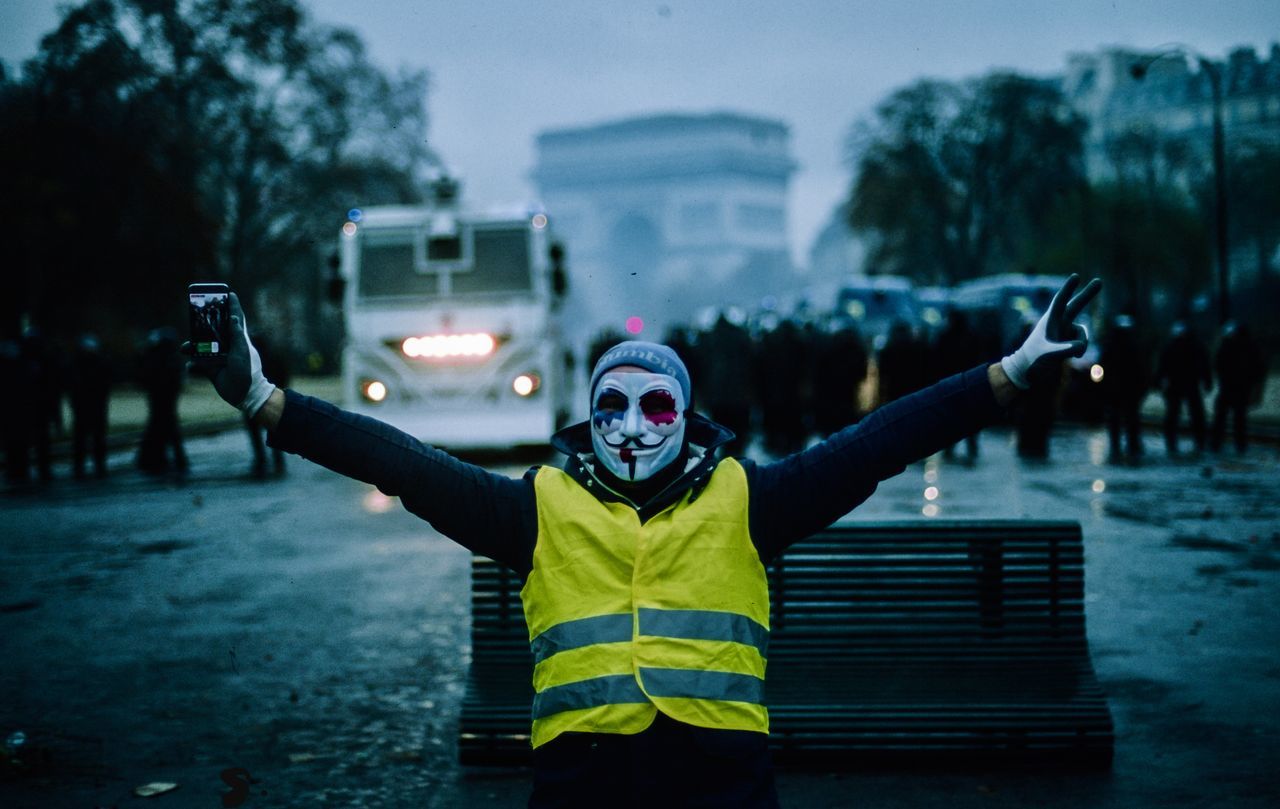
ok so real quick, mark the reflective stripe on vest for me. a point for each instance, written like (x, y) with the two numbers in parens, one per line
(705, 625)
(616, 689)
(693, 624)
(608, 690)
(627, 619)
(582, 632)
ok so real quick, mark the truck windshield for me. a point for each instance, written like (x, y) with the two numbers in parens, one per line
(387, 266)
(499, 263)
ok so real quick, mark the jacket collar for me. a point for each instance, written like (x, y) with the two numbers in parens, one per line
(704, 435)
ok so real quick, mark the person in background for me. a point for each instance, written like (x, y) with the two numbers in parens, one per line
(1182, 372)
(955, 348)
(89, 389)
(39, 412)
(839, 368)
(1241, 375)
(1125, 380)
(16, 413)
(728, 382)
(780, 387)
(903, 363)
(160, 374)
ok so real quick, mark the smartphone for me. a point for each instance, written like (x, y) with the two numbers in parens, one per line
(209, 306)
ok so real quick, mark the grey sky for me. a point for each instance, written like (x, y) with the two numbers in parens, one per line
(503, 71)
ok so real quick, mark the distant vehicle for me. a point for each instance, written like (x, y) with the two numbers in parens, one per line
(452, 324)
(1001, 307)
(934, 304)
(875, 303)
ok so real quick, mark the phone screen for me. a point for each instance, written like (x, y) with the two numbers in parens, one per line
(210, 320)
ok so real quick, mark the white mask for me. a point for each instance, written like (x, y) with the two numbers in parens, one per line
(637, 423)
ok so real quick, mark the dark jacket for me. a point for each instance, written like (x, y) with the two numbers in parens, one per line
(496, 516)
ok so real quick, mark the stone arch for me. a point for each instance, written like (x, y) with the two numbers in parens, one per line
(635, 247)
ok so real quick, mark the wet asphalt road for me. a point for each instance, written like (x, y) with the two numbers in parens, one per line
(310, 632)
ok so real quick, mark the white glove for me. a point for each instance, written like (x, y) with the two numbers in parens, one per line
(1054, 338)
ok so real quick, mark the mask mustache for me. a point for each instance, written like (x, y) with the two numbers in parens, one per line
(634, 441)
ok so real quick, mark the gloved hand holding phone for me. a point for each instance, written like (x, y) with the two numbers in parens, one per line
(1054, 338)
(239, 381)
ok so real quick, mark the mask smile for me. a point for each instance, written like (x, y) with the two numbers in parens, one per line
(639, 446)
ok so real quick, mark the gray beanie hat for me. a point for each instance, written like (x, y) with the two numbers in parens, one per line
(653, 357)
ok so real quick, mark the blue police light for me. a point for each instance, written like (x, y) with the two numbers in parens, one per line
(355, 214)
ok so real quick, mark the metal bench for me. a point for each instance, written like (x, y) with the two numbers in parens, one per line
(933, 642)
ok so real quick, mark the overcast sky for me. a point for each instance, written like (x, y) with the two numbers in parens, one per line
(504, 71)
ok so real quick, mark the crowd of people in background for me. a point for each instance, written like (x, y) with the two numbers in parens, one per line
(777, 382)
(780, 383)
(45, 377)
(1184, 371)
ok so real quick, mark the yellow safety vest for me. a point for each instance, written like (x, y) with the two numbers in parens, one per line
(628, 619)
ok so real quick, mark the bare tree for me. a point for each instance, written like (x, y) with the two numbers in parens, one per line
(959, 180)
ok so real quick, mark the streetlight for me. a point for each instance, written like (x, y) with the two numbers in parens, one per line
(1139, 71)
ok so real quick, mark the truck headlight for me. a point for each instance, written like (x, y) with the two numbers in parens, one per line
(373, 390)
(526, 384)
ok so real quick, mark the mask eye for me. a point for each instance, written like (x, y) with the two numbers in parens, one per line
(611, 401)
(658, 406)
